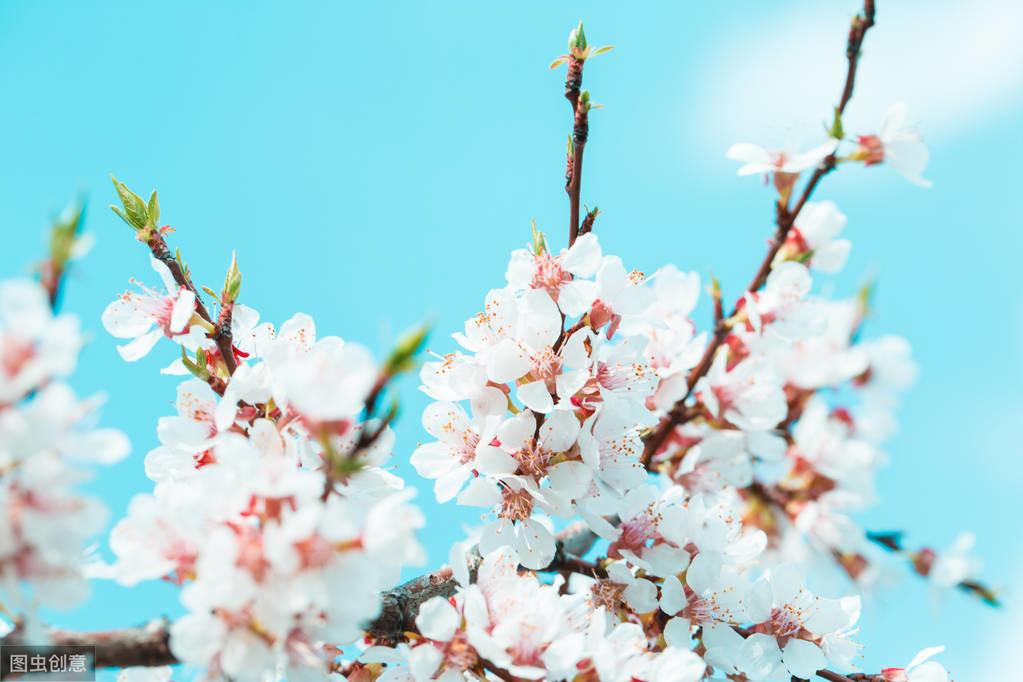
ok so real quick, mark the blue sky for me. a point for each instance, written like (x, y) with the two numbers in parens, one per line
(373, 164)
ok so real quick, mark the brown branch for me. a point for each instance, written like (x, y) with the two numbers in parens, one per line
(786, 218)
(580, 133)
(149, 645)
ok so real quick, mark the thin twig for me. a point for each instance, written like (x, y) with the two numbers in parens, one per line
(786, 218)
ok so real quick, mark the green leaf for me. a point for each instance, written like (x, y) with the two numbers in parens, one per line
(121, 214)
(577, 39)
(837, 130)
(154, 209)
(232, 282)
(134, 206)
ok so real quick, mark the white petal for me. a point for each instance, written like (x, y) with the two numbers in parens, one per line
(481, 492)
(506, 362)
(678, 632)
(140, 347)
(536, 397)
(437, 619)
(184, 306)
(559, 431)
(803, 659)
(535, 545)
(583, 257)
(924, 655)
(123, 320)
(673, 598)
(571, 479)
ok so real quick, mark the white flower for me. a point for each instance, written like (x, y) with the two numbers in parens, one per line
(898, 144)
(814, 237)
(919, 669)
(563, 276)
(34, 345)
(756, 159)
(954, 565)
(145, 317)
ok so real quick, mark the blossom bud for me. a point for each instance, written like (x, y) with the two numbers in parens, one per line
(539, 241)
(870, 151)
(577, 42)
(232, 282)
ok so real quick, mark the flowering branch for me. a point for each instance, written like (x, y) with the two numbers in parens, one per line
(144, 218)
(579, 99)
(149, 645)
(65, 240)
(784, 222)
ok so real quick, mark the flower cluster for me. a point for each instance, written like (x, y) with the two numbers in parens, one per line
(269, 504)
(47, 434)
(713, 476)
(722, 468)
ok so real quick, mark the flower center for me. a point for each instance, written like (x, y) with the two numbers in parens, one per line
(516, 505)
(607, 593)
(549, 275)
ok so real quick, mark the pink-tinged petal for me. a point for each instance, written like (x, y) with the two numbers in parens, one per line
(123, 320)
(184, 306)
(506, 362)
(536, 397)
(140, 347)
(437, 619)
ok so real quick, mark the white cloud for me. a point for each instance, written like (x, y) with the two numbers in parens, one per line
(954, 63)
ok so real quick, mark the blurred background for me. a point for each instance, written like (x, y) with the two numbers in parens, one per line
(374, 164)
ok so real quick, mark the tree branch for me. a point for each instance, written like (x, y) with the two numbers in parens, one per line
(149, 645)
(580, 133)
(786, 218)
